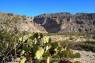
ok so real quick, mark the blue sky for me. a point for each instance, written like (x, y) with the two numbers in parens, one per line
(36, 7)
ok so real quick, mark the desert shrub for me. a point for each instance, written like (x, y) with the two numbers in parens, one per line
(33, 47)
(93, 36)
(8, 43)
(89, 46)
(77, 55)
(69, 54)
(77, 62)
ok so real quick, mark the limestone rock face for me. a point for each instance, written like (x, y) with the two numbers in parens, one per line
(55, 22)
(18, 23)
(66, 22)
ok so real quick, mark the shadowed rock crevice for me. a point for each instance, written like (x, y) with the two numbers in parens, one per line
(49, 24)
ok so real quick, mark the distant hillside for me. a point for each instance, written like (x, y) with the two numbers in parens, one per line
(66, 22)
(55, 22)
(17, 23)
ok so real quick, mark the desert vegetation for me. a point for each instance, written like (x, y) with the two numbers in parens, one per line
(24, 41)
(33, 48)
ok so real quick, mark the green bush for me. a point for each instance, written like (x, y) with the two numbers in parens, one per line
(31, 47)
(88, 46)
(68, 53)
(77, 55)
(77, 62)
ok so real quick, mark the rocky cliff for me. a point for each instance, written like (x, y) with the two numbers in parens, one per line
(17, 23)
(55, 22)
(66, 22)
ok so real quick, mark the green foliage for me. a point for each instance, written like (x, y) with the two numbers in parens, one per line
(77, 55)
(88, 45)
(32, 47)
(68, 53)
(77, 62)
(8, 42)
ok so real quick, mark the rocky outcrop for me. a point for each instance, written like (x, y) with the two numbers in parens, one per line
(66, 22)
(56, 22)
(18, 23)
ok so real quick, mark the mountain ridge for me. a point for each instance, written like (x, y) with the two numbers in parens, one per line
(50, 23)
(66, 22)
